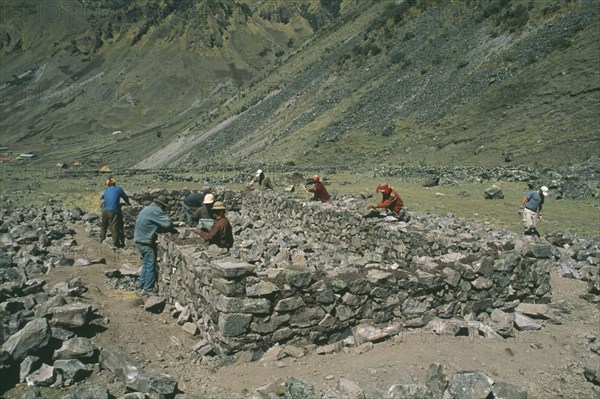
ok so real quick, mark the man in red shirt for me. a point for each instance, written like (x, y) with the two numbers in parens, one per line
(319, 191)
(221, 233)
(391, 202)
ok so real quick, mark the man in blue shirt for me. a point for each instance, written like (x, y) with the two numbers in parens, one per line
(112, 217)
(151, 221)
(531, 208)
(189, 206)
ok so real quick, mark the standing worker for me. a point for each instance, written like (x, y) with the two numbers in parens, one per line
(319, 191)
(531, 209)
(151, 221)
(112, 217)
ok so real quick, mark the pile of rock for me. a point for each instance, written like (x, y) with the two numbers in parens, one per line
(46, 332)
(462, 384)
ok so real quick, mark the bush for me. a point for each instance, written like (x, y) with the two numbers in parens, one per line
(388, 131)
(531, 58)
(397, 57)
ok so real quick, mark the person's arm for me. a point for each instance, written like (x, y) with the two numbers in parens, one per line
(164, 222)
(386, 203)
(125, 197)
(523, 202)
(210, 235)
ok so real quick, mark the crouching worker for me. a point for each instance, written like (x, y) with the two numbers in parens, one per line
(204, 215)
(319, 191)
(221, 233)
(189, 206)
(390, 202)
(151, 221)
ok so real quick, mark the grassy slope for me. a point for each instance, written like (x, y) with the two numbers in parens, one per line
(539, 107)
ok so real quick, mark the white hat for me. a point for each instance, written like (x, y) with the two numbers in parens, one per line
(218, 206)
(545, 190)
(258, 172)
(208, 199)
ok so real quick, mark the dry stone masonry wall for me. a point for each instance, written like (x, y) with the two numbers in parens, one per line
(311, 273)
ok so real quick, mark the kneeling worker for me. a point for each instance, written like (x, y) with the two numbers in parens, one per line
(221, 233)
(319, 191)
(391, 202)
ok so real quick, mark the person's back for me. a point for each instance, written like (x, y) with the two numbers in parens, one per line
(395, 203)
(194, 200)
(112, 198)
(534, 200)
(149, 221)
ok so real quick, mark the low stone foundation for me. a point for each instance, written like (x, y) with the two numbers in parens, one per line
(308, 273)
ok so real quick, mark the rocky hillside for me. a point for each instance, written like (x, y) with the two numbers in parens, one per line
(304, 82)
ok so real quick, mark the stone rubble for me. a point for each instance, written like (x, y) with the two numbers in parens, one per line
(301, 278)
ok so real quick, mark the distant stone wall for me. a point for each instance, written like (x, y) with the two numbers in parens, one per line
(307, 273)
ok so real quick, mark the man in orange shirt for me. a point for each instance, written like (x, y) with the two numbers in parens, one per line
(391, 202)
(319, 191)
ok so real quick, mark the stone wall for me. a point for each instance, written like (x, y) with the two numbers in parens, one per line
(308, 273)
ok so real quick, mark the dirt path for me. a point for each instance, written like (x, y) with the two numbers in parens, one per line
(548, 363)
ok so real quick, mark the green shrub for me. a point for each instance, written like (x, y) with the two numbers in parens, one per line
(560, 43)
(388, 131)
(397, 57)
(531, 59)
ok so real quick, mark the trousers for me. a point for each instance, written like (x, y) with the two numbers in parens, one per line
(149, 265)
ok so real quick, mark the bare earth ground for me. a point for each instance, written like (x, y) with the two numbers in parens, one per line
(547, 364)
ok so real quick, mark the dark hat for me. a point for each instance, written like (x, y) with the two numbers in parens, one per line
(161, 200)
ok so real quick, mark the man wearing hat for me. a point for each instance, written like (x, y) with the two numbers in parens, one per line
(112, 217)
(203, 214)
(151, 221)
(263, 181)
(531, 209)
(221, 233)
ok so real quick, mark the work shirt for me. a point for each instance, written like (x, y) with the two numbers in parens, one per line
(535, 200)
(319, 192)
(220, 234)
(151, 221)
(392, 202)
(112, 198)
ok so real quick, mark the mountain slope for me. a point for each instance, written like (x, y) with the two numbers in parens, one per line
(322, 82)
